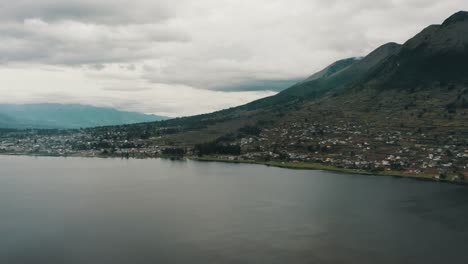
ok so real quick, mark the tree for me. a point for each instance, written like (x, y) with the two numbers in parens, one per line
(173, 151)
(217, 148)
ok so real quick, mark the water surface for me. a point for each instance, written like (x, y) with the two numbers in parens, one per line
(112, 211)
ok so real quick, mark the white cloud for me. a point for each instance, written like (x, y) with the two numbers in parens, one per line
(85, 86)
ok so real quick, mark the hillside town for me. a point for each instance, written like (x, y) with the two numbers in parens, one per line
(346, 145)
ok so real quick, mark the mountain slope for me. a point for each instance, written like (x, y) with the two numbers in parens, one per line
(345, 77)
(66, 116)
(332, 69)
(333, 78)
(435, 58)
(201, 128)
(373, 83)
(439, 54)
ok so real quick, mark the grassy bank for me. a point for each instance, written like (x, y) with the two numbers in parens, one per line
(318, 166)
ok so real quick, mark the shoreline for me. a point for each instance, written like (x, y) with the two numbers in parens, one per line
(277, 164)
(318, 166)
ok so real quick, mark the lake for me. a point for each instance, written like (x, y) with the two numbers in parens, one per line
(112, 211)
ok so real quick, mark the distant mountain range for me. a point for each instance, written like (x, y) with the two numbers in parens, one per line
(67, 116)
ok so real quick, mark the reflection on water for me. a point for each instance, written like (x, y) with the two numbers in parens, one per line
(79, 210)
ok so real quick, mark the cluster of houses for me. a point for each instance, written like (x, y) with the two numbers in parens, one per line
(356, 146)
(74, 144)
(343, 144)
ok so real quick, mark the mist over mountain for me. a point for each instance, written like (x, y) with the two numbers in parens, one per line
(67, 116)
(259, 85)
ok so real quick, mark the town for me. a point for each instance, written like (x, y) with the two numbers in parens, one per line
(341, 145)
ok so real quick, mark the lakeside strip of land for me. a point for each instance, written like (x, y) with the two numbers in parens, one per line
(278, 164)
(318, 166)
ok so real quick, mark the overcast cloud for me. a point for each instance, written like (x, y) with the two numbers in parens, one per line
(184, 57)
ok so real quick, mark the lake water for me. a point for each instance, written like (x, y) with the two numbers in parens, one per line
(112, 211)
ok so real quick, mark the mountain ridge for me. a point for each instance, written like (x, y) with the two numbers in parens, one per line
(437, 54)
(459, 16)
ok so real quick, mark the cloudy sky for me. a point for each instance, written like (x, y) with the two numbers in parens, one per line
(184, 57)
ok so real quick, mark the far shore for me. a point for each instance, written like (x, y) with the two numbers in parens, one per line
(278, 164)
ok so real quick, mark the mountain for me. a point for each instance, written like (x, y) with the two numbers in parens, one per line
(438, 54)
(331, 80)
(400, 110)
(343, 77)
(332, 69)
(435, 58)
(66, 116)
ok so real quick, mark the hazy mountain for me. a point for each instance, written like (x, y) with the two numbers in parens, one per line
(343, 77)
(332, 69)
(334, 78)
(259, 85)
(67, 116)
